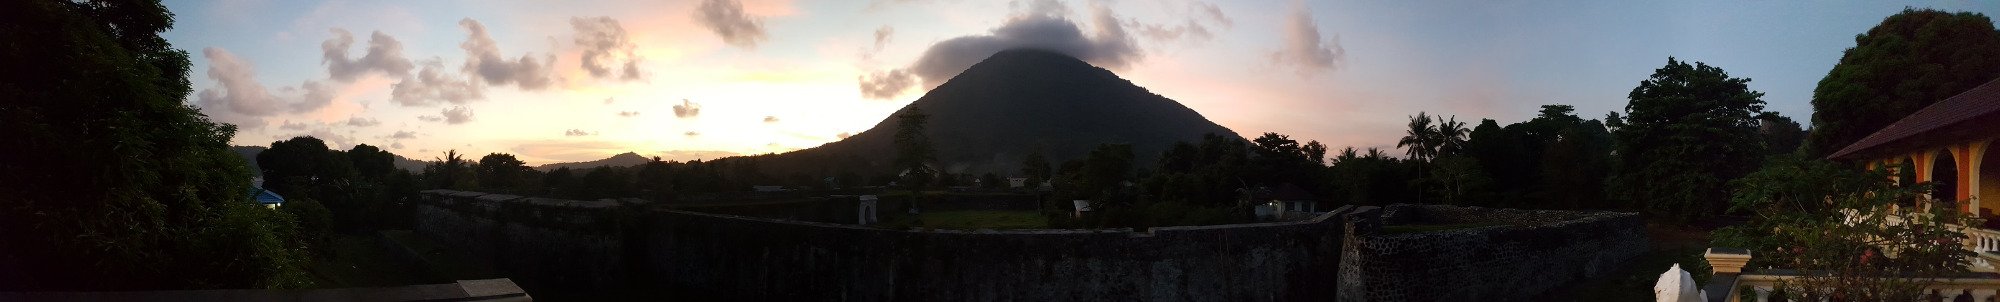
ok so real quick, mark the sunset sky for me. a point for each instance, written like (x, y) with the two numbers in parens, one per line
(557, 81)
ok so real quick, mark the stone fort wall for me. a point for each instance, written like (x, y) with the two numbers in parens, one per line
(561, 243)
(1448, 253)
(612, 244)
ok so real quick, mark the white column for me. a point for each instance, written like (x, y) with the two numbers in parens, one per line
(1975, 153)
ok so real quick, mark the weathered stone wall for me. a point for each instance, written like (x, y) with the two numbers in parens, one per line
(561, 243)
(755, 259)
(842, 209)
(700, 255)
(1500, 254)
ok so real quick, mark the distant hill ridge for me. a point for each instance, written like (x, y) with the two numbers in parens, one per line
(626, 159)
(989, 117)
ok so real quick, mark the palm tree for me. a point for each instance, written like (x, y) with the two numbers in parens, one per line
(1451, 137)
(1421, 138)
(1346, 155)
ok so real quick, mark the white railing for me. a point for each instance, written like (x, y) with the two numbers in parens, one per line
(1981, 289)
(1984, 243)
(1982, 240)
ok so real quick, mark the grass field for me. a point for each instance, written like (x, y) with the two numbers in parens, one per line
(985, 220)
(361, 261)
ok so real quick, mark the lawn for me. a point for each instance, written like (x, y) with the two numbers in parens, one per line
(998, 220)
(440, 261)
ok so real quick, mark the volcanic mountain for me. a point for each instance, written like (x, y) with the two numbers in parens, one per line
(989, 117)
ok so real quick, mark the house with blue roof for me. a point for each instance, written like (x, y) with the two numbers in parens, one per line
(265, 197)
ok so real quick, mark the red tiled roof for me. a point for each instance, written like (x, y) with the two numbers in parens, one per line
(1973, 104)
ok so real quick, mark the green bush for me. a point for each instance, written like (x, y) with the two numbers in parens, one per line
(268, 242)
(315, 225)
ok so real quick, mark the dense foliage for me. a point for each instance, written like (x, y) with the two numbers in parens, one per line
(1911, 60)
(111, 181)
(1687, 132)
(360, 188)
(1834, 223)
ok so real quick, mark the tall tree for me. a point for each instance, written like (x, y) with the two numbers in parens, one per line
(1420, 143)
(1316, 153)
(1181, 158)
(1420, 139)
(1107, 168)
(1450, 137)
(1036, 168)
(1909, 61)
(112, 181)
(561, 183)
(370, 162)
(1781, 135)
(654, 180)
(1689, 130)
(451, 172)
(297, 165)
(1458, 180)
(914, 153)
(502, 172)
(1575, 167)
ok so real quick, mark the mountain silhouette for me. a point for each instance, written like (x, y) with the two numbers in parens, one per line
(626, 159)
(1016, 102)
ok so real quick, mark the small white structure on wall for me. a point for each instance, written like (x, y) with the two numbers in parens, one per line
(1676, 285)
(866, 215)
(1082, 206)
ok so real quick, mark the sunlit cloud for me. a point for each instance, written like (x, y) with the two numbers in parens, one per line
(1044, 25)
(607, 51)
(484, 60)
(245, 102)
(457, 115)
(1303, 48)
(687, 109)
(385, 56)
(289, 125)
(362, 122)
(728, 21)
